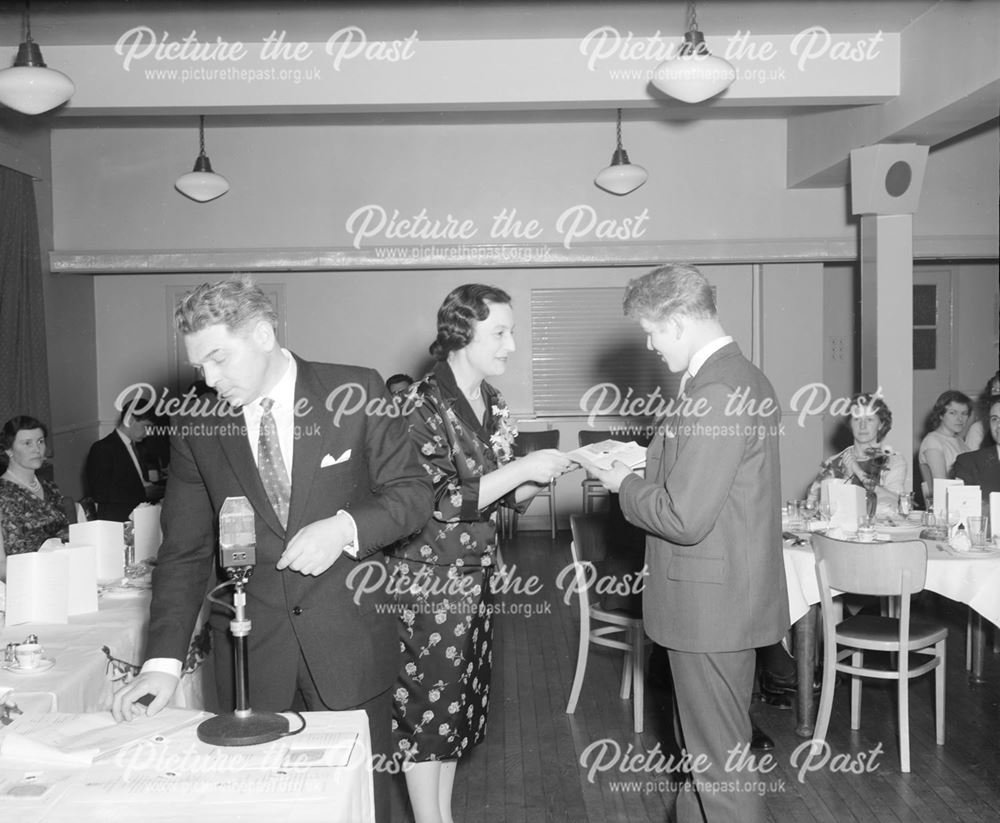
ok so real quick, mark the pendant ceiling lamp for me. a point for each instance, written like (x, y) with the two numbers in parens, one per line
(202, 184)
(621, 176)
(29, 86)
(694, 74)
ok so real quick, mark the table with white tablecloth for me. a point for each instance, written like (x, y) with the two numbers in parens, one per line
(323, 774)
(972, 578)
(83, 676)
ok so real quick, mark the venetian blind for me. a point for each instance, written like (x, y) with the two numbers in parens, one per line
(585, 350)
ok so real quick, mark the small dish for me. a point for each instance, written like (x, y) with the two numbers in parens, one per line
(44, 665)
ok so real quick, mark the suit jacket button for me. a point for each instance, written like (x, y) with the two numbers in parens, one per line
(297, 611)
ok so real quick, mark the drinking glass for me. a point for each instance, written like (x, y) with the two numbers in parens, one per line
(978, 527)
(905, 504)
(792, 511)
(809, 508)
(866, 530)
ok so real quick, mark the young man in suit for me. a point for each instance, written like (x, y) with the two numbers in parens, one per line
(982, 467)
(331, 481)
(710, 505)
(116, 477)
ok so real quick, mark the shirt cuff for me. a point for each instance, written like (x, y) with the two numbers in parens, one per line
(163, 665)
(351, 549)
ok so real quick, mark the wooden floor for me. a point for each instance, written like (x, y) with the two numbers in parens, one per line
(533, 766)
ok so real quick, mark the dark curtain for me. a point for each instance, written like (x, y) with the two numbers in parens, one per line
(24, 373)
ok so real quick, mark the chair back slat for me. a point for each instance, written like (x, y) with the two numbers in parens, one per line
(527, 442)
(871, 568)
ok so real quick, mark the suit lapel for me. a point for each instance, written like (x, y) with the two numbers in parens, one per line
(312, 441)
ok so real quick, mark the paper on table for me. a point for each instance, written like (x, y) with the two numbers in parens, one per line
(37, 588)
(940, 492)
(320, 749)
(18, 747)
(847, 506)
(108, 537)
(81, 595)
(603, 454)
(146, 529)
(962, 502)
(995, 516)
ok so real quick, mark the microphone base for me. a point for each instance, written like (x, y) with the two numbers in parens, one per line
(230, 730)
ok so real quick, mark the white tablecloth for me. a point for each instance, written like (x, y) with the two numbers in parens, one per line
(80, 680)
(975, 581)
(176, 777)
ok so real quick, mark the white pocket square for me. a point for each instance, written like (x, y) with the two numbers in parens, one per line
(329, 460)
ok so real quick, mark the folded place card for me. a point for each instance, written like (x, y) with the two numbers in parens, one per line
(995, 516)
(847, 506)
(941, 496)
(81, 562)
(37, 588)
(963, 502)
(108, 538)
(824, 489)
(146, 529)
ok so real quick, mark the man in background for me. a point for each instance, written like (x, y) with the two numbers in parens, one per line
(116, 477)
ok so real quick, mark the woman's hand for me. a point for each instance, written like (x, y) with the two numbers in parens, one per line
(544, 466)
(851, 466)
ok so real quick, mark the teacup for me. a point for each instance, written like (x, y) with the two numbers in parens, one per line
(28, 655)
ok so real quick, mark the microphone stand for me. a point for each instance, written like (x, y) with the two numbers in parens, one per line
(244, 726)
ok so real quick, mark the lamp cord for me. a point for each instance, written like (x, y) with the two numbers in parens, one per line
(692, 17)
(201, 134)
(27, 21)
(619, 129)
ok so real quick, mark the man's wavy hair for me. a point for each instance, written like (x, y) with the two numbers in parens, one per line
(459, 313)
(237, 303)
(668, 290)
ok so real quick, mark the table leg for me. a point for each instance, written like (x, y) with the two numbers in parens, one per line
(805, 666)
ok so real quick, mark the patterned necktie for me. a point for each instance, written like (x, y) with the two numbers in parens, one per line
(271, 465)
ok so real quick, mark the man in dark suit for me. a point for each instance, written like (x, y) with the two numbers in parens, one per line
(116, 477)
(982, 467)
(331, 481)
(710, 505)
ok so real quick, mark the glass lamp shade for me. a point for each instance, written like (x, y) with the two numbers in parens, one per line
(202, 184)
(695, 74)
(29, 86)
(621, 177)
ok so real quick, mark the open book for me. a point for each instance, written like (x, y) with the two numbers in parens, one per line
(601, 455)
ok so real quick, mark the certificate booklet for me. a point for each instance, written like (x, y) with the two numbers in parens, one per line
(602, 455)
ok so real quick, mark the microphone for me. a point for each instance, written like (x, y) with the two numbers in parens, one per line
(238, 555)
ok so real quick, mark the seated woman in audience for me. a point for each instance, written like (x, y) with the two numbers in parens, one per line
(31, 509)
(978, 434)
(866, 462)
(939, 449)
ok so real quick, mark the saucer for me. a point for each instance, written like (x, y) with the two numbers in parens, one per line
(44, 665)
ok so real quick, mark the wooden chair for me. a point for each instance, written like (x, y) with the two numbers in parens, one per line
(591, 556)
(593, 490)
(526, 443)
(883, 569)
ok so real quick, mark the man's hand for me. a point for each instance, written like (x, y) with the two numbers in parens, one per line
(316, 547)
(158, 684)
(611, 478)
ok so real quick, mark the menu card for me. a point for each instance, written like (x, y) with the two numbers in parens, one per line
(995, 516)
(940, 493)
(146, 529)
(51, 585)
(847, 506)
(108, 538)
(824, 490)
(963, 501)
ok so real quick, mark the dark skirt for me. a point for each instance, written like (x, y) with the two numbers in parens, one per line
(441, 697)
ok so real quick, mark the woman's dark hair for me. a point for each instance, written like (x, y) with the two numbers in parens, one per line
(459, 313)
(873, 404)
(19, 424)
(941, 405)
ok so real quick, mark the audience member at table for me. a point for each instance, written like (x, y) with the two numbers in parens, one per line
(710, 506)
(31, 508)
(116, 475)
(939, 448)
(462, 429)
(979, 429)
(328, 487)
(867, 462)
(982, 467)
(399, 384)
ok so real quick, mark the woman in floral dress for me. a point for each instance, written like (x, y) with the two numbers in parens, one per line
(442, 577)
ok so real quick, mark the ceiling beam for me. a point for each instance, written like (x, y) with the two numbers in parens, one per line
(950, 84)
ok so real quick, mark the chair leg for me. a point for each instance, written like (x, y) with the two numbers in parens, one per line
(904, 723)
(939, 694)
(857, 660)
(581, 664)
(826, 692)
(552, 508)
(638, 678)
(626, 688)
(968, 640)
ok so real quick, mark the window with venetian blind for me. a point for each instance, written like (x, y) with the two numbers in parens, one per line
(585, 349)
